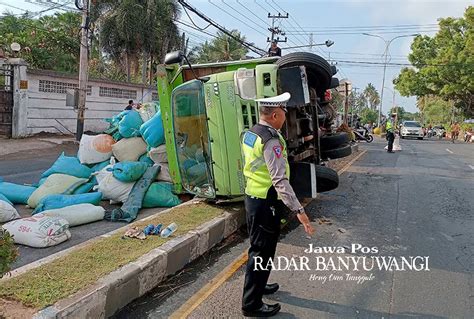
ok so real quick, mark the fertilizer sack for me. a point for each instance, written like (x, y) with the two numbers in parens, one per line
(78, 214)
(68, 165)
(129, 125)
(129, 171)
(158, 154)
(153, 132)
(95, 149)
(55, 184)
(39, 231)
(60, 201)
(160, 195)
(111, 188)
(16, 194)
(7, 212)
(129, 149)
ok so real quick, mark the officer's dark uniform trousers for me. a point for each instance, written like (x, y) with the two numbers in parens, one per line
(263, 224)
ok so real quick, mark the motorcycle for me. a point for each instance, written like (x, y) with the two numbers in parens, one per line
(362, 134)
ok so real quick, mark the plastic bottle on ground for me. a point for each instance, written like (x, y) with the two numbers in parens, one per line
(165, 233)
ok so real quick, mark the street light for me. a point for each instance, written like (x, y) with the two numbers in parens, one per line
(387, 44)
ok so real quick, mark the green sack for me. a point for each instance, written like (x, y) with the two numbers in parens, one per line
(160, 194)
(129, 171)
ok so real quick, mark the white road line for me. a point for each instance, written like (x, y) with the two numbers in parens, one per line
(472, 167)
(448, 150)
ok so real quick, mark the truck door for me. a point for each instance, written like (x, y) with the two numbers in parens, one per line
(191, 135)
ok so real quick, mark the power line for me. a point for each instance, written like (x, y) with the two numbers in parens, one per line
(233, 16)
(247, 18)
(248, 45)
(357, 33)
(373, 27)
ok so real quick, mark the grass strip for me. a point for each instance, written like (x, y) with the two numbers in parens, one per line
(51, 282)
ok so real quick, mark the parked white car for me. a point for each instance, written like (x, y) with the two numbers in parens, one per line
(411, 129)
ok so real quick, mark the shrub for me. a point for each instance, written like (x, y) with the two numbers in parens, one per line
(8, 252)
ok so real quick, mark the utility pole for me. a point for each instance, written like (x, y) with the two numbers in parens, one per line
(346, 101)
(83, 67)
(276, 30)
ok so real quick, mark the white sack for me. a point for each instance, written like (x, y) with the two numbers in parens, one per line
(158, 154)
(39, 230)
(129, 149)
(164, 174)
(78, 214)
(7, 212)
(111, 188)
(95, 149)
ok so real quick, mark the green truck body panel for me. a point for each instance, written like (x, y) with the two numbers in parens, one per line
(226, 114)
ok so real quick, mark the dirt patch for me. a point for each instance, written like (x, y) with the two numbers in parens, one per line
(14, 309)
(67, 275)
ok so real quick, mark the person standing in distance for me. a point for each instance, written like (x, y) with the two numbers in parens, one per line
(267, 173)
(390, 128)
(129, 106)
(274, 49)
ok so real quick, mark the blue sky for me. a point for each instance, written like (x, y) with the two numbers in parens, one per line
(342, 21)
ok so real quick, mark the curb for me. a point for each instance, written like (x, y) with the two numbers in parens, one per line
(119, 288)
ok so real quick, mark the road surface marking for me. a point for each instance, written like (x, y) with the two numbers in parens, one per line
(448, 150)
(472, 167)
(342, 170)
(189, 306)
(199, 297)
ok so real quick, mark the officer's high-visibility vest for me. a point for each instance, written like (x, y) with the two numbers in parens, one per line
(389, 126)
(255, 169)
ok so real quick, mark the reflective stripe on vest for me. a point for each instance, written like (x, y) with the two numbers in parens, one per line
(255, 169)
(388, 125)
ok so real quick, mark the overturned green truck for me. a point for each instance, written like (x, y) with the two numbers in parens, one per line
(207, 107)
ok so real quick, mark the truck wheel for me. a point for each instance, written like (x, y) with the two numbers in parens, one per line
(326, 179)
(343, 151)
(318, 70)
(331, 141)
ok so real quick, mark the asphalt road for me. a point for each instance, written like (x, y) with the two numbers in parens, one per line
(417, 202)
(26, 167)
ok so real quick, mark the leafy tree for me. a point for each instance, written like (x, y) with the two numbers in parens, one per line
(368, 116)
(221, 48)
(137, 33)
(50, 42)
(372, 96)
(443, 64)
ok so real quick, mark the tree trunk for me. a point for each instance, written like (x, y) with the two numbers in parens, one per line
(127, 61)
(144, 66)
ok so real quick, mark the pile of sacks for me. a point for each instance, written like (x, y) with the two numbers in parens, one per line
(127, 165)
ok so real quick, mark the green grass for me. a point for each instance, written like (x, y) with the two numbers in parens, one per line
(67, 275)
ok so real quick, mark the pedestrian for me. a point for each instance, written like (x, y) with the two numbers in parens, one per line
(267, 173)
(390, 128)
(129, 106)
(274, 49)
(455, 128)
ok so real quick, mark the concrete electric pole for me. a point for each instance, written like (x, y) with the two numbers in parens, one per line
(83, 67)
(276, 30)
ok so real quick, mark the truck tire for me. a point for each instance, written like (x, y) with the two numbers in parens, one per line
(318, 70)
(342, 151)
(331, 141)
(326, 179)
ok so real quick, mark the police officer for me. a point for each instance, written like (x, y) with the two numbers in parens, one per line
(267, 171)
(390, 128)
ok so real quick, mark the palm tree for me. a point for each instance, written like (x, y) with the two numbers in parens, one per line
(137, 31)
(372, 96)
(221, 48)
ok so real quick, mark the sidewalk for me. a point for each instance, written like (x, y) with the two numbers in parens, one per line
(11, 146)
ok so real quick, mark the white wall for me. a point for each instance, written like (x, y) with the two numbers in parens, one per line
(47, 111)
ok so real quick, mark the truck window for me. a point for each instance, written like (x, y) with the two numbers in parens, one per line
(192, 138)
